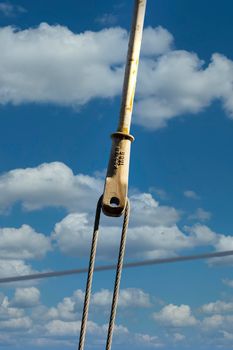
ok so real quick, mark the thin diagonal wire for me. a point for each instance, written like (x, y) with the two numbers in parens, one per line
(90, 276)
(158, 261)
(118, 277)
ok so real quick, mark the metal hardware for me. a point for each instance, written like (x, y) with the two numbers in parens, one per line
(116, 183)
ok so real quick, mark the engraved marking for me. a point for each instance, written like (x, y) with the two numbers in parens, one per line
(119, 158)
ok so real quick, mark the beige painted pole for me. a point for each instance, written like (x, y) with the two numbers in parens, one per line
(116, 183)
(132, 66)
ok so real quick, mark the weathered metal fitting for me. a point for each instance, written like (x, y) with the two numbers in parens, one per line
(122, 135)
(116, 183)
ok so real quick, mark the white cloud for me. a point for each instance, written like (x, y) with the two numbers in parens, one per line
(49, 343)
(67, 64)
(66, 67)
(200, 215)
(147, 211)
(107, 19)
(7, 312)
(49, 184)
(217, 307)
(147, 340)
(69, 309)
(224, 243)
(150, 235)
(228, 282)
(23, 323)
(171, 82)
(23, 243)
(26, 297)
(217, 322)
(202, 235)
(159, 192)
(156, 41)
(62, 328)
(178, 337)
(73, 236)
(128, 298)
(213, 322)
(177, 84)
(14, 268)
(191, 194)
(66, 309)
(227, 335)
(54, 184)
(10, 10)
(175, 316)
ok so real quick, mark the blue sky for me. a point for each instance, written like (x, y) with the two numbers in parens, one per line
(61, 70)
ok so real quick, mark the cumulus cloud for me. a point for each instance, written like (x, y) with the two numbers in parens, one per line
(217, 307)
(147, 211)
(26, 297)
(23, 243)
(129, 298)
(23, 323)
(153, 234)
(49, 184)
(156, 41)
(64, 70)
(62, 328)
(175, 316)
(171, 82)
(67, 64)
(202, 235)
(73, 236)
(213, 322)
(147, 340)
(176, 84)
(8, 312)
(217, 322)
(225, 242)
(14, 268)
(69, 309)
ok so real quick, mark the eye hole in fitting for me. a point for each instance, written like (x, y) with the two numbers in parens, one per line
(114, 202)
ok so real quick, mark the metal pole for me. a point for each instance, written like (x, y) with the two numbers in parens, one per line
(116, 183)
(132, 66)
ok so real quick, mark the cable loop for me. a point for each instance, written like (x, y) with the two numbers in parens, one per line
(86, 305)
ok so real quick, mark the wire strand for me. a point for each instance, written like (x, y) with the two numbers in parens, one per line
(118, 277)
(86, 304)
(169, 260)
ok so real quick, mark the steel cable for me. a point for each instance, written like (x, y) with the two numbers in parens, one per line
(90, 276)
(118, 277)
(140, 263)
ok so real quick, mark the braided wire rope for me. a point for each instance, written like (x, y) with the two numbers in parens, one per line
(118, 277)
(83, 328)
